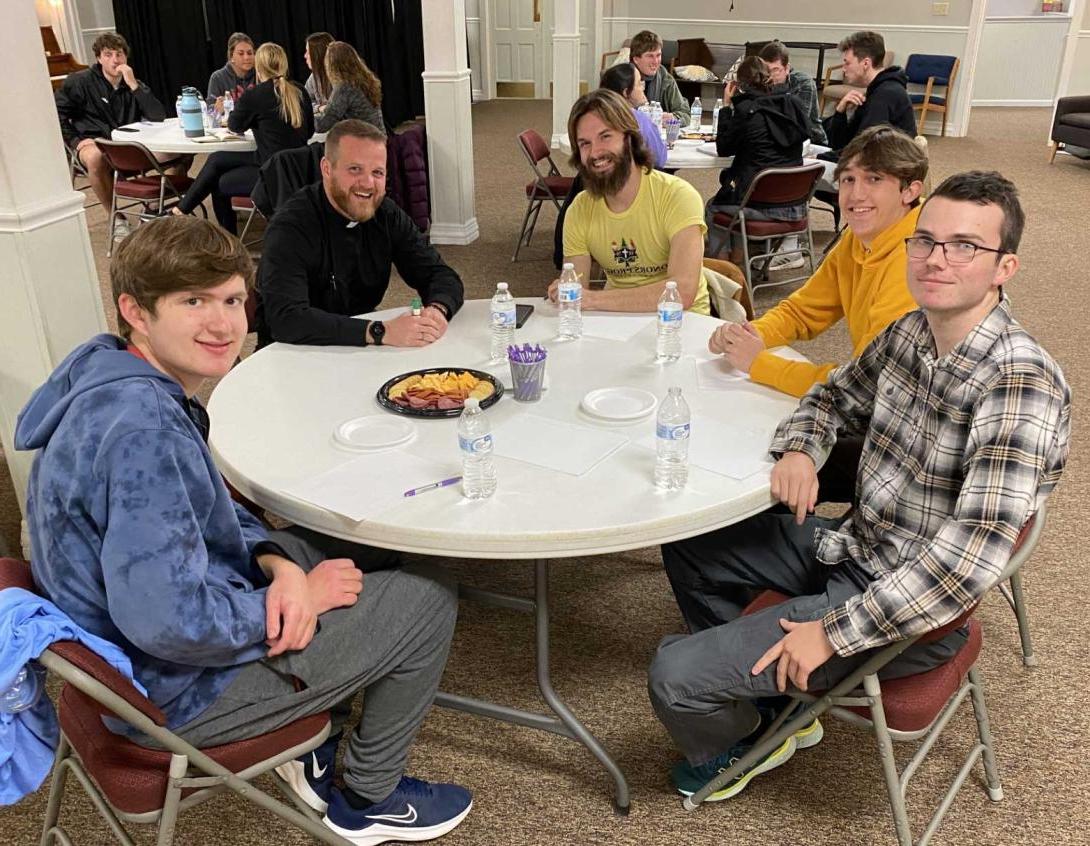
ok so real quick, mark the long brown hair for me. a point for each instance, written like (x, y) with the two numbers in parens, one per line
(271, 62)
(344, 66)
(616, 113)
(317, 42)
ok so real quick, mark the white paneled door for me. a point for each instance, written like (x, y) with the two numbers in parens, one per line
(520, 48)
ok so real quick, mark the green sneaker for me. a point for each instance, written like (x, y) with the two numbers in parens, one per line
(689, 779)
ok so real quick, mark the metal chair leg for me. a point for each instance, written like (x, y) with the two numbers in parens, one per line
(1018, 602)
(168, 817)
(56, 793)
(980, 711)
(889, 763)
(522, 231)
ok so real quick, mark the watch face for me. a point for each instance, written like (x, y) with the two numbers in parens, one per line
(378, 330)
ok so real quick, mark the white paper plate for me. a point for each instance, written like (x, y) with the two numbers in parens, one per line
(619, 403)
(373, 432)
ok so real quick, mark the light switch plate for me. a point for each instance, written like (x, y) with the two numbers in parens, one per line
(940, 8)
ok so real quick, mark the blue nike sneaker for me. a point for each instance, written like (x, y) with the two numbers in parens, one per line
(416, 810)
(311, 776)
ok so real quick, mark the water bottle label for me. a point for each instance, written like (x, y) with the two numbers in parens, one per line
(504, 319)
(476, 446)
(570, 295)
(670, 313)
(669, 432)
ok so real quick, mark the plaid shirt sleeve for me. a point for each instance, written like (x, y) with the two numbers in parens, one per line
(1016, 449)
(847, 394)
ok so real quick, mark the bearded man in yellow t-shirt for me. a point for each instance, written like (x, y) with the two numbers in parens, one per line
(642, 226)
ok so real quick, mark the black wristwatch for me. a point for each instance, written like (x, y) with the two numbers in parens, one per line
(378, 332)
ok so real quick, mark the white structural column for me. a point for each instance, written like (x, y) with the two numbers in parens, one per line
(49, 294)
(447, 99)
(565, 65)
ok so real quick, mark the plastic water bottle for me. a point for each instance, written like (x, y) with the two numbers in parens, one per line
(696, 113)
(502, 321)
(656, 114)
(228, 107)
(24, 691)
(715, 116)
(475, 441)
(668, 340)
(672, 442)
(569, 295)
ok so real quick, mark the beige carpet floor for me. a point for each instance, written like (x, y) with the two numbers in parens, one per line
(610, 611)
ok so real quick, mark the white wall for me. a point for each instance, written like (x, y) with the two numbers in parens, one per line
(1019, 60)
(1079, 83)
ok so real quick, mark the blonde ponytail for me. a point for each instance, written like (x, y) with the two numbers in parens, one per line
(271, 62)
(291, 102)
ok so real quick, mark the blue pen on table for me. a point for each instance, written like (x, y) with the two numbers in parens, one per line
(453, 480)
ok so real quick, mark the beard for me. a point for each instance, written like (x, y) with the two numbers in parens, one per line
(353, 207)
(607, 184)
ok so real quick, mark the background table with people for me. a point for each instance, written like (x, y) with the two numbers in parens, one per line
(597, 472)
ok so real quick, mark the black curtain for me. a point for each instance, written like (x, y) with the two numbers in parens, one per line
(168, 44)
(172, 46)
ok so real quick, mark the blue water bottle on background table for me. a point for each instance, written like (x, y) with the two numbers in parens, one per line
(192, 113)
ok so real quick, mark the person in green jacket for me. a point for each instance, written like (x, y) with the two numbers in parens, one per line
(645, 50)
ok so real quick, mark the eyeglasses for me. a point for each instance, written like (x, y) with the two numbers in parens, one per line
(956, 252)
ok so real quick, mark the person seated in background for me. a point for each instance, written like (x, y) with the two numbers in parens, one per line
(92, 103)
(134, 535)
(968, 424)
(276, 110)
(625, 80)
(317, 84)
(330, 248)
(881, 174)
(797, 83)
(761, 129)
(235, 77)
(641, 225)
(357, 92)
(886, 99)
(645, 52)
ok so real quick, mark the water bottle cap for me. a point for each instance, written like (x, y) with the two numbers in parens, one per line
(501, 286)
(674, 391)
(568, 266)
(671, 285)
(472, 403)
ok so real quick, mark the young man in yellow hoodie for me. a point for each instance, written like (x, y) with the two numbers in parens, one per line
(880, 175)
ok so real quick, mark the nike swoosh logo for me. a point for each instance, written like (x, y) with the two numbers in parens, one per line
(318, 773)
(408, 818)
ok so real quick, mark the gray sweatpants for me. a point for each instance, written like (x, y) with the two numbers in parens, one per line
(392, 643)
(701, 685)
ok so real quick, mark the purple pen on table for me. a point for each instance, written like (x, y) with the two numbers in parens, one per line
(453, 480)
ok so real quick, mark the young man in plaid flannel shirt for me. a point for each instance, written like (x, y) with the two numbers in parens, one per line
(967, 422)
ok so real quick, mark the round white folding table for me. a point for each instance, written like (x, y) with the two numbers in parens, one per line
(168, 137)
(537, 513)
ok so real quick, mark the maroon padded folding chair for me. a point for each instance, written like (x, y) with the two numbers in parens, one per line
(550, 186)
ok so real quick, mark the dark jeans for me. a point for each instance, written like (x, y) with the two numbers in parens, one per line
(225, 175)
(700, 685)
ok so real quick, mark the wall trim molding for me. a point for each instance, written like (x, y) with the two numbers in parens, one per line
(43, 213)
(1015, 104)
(458, 234)
(96, 29)
(847, 27)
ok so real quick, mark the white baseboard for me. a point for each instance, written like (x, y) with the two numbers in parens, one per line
(458, 234)
(1017, 104)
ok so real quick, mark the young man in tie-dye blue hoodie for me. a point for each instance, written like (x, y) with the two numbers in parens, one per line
(135, 536)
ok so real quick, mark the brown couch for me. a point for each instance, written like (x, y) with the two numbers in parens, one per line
(1071, 124)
